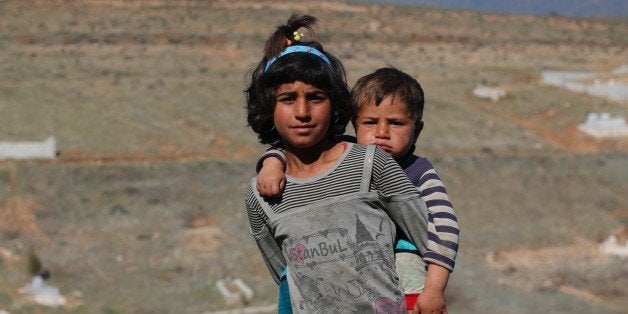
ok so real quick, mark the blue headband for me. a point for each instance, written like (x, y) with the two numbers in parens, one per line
(293, 49)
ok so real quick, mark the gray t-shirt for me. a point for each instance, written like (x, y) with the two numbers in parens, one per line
(339, 249)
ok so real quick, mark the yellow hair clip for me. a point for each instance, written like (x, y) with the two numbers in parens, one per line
(297, 36)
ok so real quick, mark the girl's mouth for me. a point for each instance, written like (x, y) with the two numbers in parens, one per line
(303, 128)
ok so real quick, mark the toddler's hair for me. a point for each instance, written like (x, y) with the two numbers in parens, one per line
(318, 68)
(374, 87)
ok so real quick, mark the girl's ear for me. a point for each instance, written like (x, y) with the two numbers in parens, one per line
(418, 127)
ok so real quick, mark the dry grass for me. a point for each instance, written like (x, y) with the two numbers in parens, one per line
(143, 212)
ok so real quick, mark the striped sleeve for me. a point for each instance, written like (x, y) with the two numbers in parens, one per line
(443, 229)
(388, 177)
(268, 247)
(257, 218)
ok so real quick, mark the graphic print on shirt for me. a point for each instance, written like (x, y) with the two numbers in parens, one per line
(319, 254)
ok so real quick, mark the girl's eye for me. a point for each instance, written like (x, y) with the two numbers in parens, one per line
(318, 98)
(368, 122)
(286, 100)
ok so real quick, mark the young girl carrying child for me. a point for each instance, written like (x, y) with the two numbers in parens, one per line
(388, 109)
(335, 224)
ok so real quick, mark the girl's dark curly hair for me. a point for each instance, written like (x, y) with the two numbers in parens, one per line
(296, 66)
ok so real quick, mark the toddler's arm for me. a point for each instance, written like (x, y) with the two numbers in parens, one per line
(432, 299)
(443, 245)
(271, 178)
(443, 226)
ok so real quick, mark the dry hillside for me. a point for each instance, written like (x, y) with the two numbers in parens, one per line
(142, 211)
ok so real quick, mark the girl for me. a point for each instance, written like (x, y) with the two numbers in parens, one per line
(334, 226)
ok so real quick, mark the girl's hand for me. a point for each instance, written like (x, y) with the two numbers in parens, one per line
(271, 179)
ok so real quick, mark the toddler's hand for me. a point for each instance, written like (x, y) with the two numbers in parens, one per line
(271, 179)
(431, 301)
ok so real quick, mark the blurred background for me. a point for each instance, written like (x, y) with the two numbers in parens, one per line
(124, 150)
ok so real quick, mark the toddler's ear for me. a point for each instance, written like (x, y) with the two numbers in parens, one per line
(418, 127)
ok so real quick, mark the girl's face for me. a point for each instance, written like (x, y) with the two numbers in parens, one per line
(388, 126)
(302, 114)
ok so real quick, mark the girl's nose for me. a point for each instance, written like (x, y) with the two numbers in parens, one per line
(301, 109)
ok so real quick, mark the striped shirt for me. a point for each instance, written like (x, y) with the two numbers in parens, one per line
(342, 178)
(443, 230)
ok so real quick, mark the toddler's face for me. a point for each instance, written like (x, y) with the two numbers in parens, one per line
(388, 126)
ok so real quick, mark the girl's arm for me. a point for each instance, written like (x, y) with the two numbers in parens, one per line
(271, 178)
(271, 254)
(269, 249)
